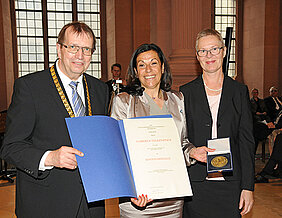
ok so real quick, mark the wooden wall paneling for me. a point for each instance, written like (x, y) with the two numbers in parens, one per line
(119, 34)
(188, 18)
(7, 75)
(261, 45)
(3, 88)
(123, 33)
(160, 33)
(141, 22)
(271, 42)
(253, 44)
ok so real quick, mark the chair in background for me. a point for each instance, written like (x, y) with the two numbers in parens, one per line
(5, 173)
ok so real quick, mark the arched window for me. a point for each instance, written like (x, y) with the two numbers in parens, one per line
(38, 23)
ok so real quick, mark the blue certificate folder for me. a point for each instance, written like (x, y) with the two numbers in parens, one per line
(105, 168)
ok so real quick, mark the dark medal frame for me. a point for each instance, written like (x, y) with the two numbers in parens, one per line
(219, 163)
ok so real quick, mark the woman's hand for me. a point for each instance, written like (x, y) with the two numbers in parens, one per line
(142, 201)
(200, 153)
(246, 201)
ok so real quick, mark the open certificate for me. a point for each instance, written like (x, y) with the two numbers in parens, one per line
(130, 157)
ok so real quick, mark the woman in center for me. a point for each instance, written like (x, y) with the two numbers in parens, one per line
(149, 93)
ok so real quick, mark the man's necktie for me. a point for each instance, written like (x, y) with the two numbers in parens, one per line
(79, 109)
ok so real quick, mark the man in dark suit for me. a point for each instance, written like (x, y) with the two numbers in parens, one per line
(218, 107)
(273, 103)
(116, 84)
(37, 140)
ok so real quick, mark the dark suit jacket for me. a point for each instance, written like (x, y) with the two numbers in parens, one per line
(254, 108)
(234, 121)
(271, 107)
(35, 124)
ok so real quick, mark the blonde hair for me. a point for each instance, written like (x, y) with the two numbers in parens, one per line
(209, 32)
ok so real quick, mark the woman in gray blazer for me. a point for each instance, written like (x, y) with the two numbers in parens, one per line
(149, 93)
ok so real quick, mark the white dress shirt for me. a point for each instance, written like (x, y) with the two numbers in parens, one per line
(80, 89)
(214, 101)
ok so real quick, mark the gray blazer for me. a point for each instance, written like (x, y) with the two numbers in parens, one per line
(128, 106)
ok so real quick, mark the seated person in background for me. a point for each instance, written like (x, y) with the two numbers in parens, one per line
(275, 158)
(258, 107)
(273, 103)
(260, 118)
(116, 84)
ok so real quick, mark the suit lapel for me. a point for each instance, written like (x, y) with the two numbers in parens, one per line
(201, 94)
(91, 95)
(55, 94)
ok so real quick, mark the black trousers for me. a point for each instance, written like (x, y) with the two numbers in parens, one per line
(91, 210)
(261, 131)
(213, 199)
(275, 158)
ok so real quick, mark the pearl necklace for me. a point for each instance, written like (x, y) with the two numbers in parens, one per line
(215, 90)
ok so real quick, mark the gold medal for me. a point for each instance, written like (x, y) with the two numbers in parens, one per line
(219, 161)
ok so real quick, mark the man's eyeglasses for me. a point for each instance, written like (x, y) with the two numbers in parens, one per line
(274, 90)
(74, 49)
(213, 51)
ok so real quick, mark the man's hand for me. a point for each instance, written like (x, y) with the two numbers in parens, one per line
(246, 201)
(200, 153)
(64, 157)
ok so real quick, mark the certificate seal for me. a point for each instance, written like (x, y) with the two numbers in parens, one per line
(219, 161)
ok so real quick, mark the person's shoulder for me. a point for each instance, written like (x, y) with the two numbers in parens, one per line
(35, 77)
(235, 85)
(191, 84)
(109, 82)
(175, 94)
(94, 80)
(123, 97)
(268, 98)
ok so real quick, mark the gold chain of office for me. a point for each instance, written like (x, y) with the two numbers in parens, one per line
(63, 97)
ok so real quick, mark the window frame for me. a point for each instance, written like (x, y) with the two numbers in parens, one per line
(75, 13)
(238, 35)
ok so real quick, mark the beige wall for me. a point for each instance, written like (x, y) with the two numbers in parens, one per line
(172, 25)
(127, 27)
(6, 54)
(253, 43)
(271, 42)
(261, 34)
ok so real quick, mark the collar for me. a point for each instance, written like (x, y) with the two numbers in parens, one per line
(65, 79)
(145, 101)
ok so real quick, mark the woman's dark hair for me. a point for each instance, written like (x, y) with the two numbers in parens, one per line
(133, 83)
